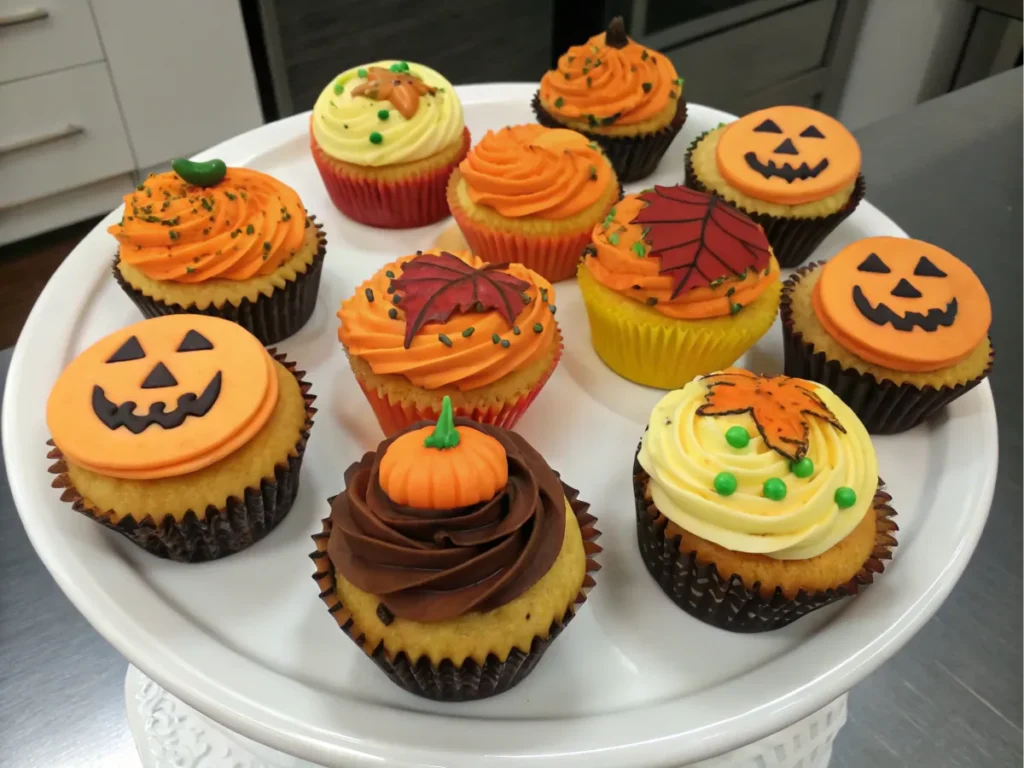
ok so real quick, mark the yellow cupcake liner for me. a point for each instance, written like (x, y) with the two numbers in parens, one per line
(646, 347)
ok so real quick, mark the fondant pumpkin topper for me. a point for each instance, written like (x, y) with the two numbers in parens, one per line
(902, 303)
(162, 397)
(788, 155)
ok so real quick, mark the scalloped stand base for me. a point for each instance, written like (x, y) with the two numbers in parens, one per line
(170, 734)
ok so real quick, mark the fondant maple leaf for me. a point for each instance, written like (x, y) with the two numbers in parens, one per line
(699, 238)
(436, 286)
(779, 406)
(402, 88)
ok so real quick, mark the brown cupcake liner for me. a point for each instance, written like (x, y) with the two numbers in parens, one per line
(792, 240)
(727, 603)
(470, 680)
(270, 318)
(216, 532)
(632, 157)
(884, 407)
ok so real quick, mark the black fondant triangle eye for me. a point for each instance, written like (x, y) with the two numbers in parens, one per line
(925, 268)
(905, 290)
(194, 342)
(873, 264)
(811, 132)
(130, 350)
(159, 377)
(768, 126)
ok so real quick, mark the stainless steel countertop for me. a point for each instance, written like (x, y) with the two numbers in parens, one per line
(949, 172)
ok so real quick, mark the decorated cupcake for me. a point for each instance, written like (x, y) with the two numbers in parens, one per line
(793, 170)
(677, 283)
(897, 328)
(618, 93)
(181, 433)
(385, 137)
(438, 324)
(758, 500)
(454, 556)
(226, 242)
(530, 195)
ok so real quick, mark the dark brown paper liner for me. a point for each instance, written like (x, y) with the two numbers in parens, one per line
(793, 240)
(885, 407)
(217, 532)
(700, 590)
(446, 681)
(270, 318)
(632, 157)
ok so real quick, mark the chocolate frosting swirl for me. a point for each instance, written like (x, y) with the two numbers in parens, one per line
(438, 564)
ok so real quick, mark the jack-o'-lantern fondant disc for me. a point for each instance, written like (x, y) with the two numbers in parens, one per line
(162, 397)
(903, 304)
(788, 155)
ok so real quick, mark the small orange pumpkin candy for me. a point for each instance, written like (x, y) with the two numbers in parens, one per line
(444, 466)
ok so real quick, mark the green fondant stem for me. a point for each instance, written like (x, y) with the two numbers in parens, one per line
(444, 435)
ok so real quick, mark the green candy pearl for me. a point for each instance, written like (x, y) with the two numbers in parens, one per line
(774, 489)
(725, 483)
(737, 437)
(376, 138)
(845, 497)
(802, 468)
(383, 114)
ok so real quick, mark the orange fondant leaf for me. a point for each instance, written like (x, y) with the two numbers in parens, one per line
(403, 89)
(778, 405)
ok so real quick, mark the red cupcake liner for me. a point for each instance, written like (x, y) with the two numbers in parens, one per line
(413, 202)
(393, 416)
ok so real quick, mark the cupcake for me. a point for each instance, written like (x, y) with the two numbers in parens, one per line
(438, 324)
(454, 556)
(226, 242)
(758, 500)
(181, 433)
(676, 283)
(618, 93)
(530, 195)
(897, 328)
(793, 170)
(385, 137)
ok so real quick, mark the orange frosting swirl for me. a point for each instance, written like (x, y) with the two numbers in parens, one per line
(619, 259)
(529, 170)
(247, 224)
(376, 334)
(597, 82)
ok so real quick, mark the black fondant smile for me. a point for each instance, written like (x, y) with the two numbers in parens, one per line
(123, 415)
(882, 314)
(785, 171)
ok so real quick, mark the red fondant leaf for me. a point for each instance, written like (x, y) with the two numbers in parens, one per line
(778, 405)
(436, 286)
(700, 238)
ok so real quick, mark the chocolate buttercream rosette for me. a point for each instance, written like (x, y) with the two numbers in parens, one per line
(458, 561)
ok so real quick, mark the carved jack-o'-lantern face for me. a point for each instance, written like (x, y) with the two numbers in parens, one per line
(902, 303)
(788, 155)
(162, 397)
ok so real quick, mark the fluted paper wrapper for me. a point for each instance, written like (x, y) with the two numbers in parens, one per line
(793, 240)
(270, 318)
(215, 532)
(725, 602)
(885, 407)
(470, 680)
(632, 157)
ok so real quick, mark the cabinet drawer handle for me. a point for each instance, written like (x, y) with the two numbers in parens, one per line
(23, 16)
(42, 138)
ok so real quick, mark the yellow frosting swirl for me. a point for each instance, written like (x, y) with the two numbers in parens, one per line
(347, 126)
(683, 452)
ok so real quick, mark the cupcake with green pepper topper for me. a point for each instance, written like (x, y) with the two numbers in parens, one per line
(385, 138)
(626, 97)
(758, 500)
(226, 242)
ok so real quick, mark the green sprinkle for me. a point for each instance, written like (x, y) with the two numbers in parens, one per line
(570, 59)
(643, 55)
(338, 89)
(589, 81)
(393, 313)
(250, 229)
(361, 72)
(733, 309)
(149, 192)
(774, 488)
(173, 235)
(389, 274)
(444, 339)
(638, 249)
(190, 270)
(647, 87)
(230, 196)
(737, 437)
(593, 173)
(505, 343)
(730, 292)
(376, 138)
(207, 205)
(802, 468)
(845, 497)
(552, 308)
(369, 295)
(559, 102)
(383, 114)
(140, 187)
(495, 338)
(396, 299)
(679, 81)
(515, 330)
(537, 328)
(613, 238)
(236, 233)
(725, 483)
(266, 245)
(567, 76)
(468, 332)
